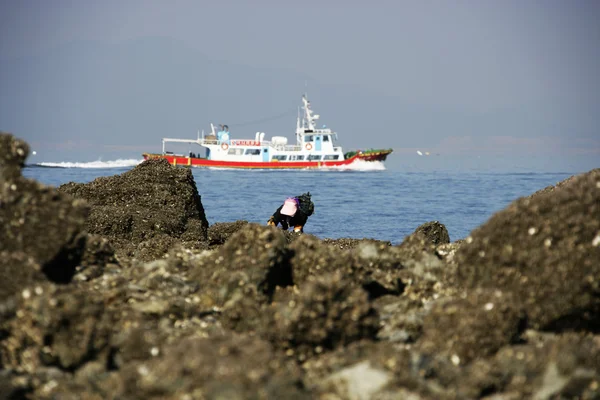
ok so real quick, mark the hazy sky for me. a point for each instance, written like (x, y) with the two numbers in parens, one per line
(471, 57)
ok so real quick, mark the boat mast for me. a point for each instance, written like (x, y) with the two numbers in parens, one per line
(308, 115)
(298, 126)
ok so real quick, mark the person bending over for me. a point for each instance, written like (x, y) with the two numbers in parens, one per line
(294, 212)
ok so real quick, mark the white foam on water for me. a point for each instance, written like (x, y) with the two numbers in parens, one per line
(93, 164)
(360, 165)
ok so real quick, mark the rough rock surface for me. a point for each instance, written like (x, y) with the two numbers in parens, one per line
(476, 326)
(545, 250)
(220, 232)
(56, 327)
(249, 311)
(327, 313)
(146, 210)
(435, 232)
(37, 220)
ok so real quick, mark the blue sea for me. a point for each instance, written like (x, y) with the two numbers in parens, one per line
(368, 201)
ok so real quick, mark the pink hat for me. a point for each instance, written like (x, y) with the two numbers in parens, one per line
(289, 207)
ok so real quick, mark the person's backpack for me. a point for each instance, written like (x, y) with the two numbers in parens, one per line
(306, 204)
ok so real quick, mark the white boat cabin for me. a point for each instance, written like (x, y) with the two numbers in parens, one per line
(312, 144)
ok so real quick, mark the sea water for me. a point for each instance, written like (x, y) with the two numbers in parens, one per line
(364, 201)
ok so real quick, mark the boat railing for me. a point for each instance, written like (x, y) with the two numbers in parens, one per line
(282, 147)
(273, 145)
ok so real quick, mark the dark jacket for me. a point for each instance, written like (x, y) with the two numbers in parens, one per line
(305, 209)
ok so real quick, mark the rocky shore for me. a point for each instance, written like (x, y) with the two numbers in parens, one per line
(120, 289)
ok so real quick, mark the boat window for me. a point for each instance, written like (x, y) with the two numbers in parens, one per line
(235, 152)
(314, 157)
(326, 138)
(331, 157)
(309, 138)
(300, 158)
(280, 158)
(252, 152)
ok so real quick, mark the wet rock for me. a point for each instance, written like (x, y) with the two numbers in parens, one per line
(154, 247)
(416, 246)
(401, 318)
(545, 250)
(435, 232)
(239, 278)
(231, 367)
(220, 232)
(17, 271)
(97, 253)
(56, 326)
(37, 220)
(12, 157)
(326, 314)
(398, 374)
(374, 266)
(347, 243)
(358, 382)
(43, 227)
(558, 367)
(447, 251)
(89, 382)
(141, 208)
(463, 329)
(10, 390)
(259, 252)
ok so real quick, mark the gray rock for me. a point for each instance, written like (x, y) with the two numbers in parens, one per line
(146, 210)
(435, 232)
(545, 250)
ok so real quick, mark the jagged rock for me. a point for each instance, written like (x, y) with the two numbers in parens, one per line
(326, 314)
(10, 390)
(374, 266)
(258, 252)
(144, 210)
(45, 226)
(358, 382)
(239, 278)
(55, 326)
(224, 367)
(401, 318)
(220, 232)
(12, 157)
(474, 327)
(435, 232)
(250, 311)
(563, 367)
(545, 250)
(399, 374)
(347, 243)
(17, 271)
(557, 367)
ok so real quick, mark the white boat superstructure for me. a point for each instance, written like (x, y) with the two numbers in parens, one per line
(312, 144)
(314, 148)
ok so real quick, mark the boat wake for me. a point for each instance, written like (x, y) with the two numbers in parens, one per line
(92, 164)
(359, 165)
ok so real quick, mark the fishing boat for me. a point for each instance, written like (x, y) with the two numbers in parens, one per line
(314, 148)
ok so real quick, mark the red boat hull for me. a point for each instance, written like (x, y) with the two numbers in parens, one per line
(203, 162)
